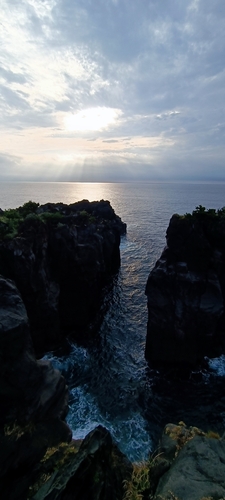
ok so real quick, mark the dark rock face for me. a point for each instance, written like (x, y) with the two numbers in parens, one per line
(60, 259)
(186, 292)
(96, 472)
(34, 399)
(37, 457)
(190, 464)
(29, 389)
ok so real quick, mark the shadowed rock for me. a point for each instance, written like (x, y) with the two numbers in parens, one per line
(29, 389)
(33, 398)
(61, 257)
(96, 472)
(190, 464)
(186, 292)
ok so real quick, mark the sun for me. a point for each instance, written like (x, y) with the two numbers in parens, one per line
(92, 119)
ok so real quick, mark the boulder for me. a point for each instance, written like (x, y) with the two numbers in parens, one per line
(190, 464)
(186, 292)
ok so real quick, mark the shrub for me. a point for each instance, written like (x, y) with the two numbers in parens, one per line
(11, 219)
(51, 217)
(28, 208)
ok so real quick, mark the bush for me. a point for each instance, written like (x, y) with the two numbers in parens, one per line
(11, 219)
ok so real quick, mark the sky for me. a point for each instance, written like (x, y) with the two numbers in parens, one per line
(112, 90)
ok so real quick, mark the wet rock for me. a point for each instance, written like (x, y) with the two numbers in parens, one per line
(186, 292)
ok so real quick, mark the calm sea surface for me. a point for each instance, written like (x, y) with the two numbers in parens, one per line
(109, 380)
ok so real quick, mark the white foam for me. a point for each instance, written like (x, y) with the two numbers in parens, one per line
(128, 430)
(218, 365)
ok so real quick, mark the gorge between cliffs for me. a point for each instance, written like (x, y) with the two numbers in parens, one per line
(92, 360)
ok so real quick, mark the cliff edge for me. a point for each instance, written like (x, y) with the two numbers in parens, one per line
(60, 257)
(186, 291)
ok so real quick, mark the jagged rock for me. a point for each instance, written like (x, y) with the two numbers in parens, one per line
(186, 292)
(37, 459)
(22, 449)
(33, 399)
(60, 259)
(96, 472)
(194, 465)
(29, 389)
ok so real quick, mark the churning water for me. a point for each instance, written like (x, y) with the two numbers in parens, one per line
(109, 380)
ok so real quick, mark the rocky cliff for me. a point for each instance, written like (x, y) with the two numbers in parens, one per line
(34, 397)
(60, 257)
(37, 457)
(186, 291)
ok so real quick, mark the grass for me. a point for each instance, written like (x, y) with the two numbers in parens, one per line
(139, 486)
(182, 434)
(61, 454)
(16, 431)
(139, 482)
(54, 459)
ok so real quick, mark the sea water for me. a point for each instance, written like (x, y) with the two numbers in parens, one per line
(109, 379)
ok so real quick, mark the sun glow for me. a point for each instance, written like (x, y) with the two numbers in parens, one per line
(92, 119)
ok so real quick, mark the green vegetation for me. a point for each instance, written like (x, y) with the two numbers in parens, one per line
(11, 219)
(208, 224)
(50, 216)
(86, 217)
(202, 214)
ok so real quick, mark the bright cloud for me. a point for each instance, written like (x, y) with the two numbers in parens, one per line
(92, 119)
(115, 83)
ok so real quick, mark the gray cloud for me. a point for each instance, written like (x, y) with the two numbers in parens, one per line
(10, 76)
(12, 98)
(161, 63)
(110, 141)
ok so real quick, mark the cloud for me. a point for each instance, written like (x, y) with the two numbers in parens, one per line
(168, 114)
(111, 141)
(159, 65)
(10, 76)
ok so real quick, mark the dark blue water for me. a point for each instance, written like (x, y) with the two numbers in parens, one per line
(109, 379)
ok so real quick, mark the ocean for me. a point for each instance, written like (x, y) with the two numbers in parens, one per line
(109, 379)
